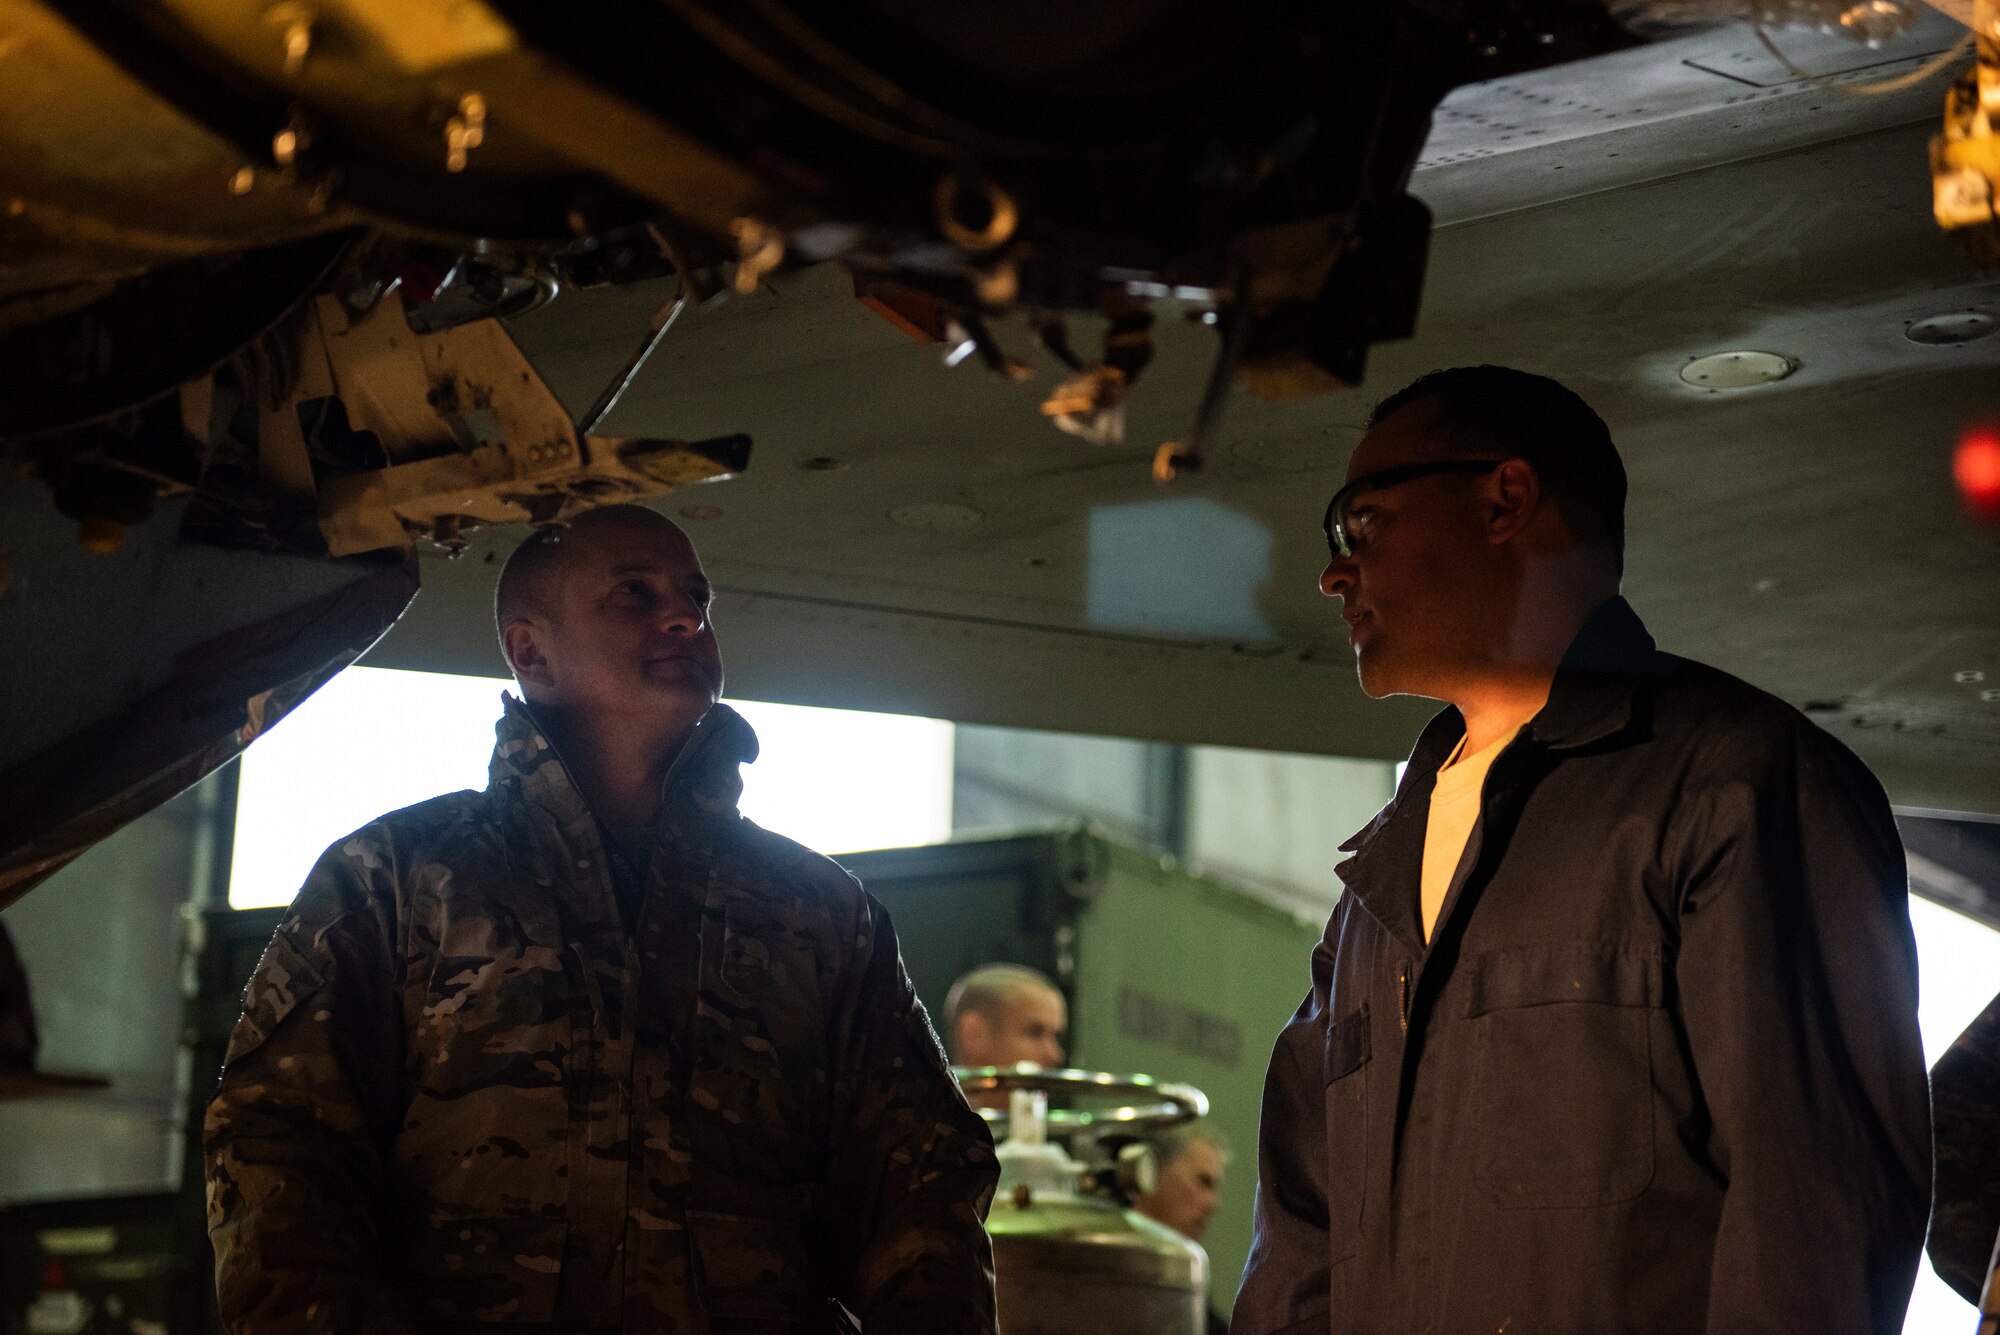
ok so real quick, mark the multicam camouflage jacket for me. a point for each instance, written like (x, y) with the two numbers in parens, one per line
(464, 1096)
(1965, 1112)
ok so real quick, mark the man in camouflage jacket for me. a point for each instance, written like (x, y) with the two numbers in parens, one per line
(1965, 1116)
(491, 1075)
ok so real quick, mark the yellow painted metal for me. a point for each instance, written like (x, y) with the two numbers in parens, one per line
(100, 179)
(424, 37)
(1965, 154)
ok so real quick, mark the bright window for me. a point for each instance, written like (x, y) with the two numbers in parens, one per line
(1958, 971)
(372, 740)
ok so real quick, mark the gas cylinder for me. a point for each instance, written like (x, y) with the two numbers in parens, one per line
(1068, 1257)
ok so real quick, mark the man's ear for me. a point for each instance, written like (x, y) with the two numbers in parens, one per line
(1512, 495)
(970, 1036)
(521, 641)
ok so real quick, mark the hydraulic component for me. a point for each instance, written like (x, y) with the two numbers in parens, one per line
(1069, 1257)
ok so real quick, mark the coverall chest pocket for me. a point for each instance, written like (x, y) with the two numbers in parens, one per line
(1562, 1108)
(1346, 1065)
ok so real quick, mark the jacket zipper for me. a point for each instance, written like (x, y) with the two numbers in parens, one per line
(1403, 996)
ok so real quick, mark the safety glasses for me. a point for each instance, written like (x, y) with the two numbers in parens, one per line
(1346, 531)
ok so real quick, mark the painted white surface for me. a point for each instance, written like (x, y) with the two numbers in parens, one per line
(1275, 823)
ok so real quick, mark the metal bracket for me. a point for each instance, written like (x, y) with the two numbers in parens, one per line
(472, 434)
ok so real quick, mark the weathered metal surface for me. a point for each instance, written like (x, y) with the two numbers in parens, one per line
(135, 674)
(470, 434)
(1803, 534)
(101, 179)
(1084, 1267)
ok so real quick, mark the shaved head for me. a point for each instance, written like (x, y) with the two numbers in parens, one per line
(531, 582)
(1000, 1014)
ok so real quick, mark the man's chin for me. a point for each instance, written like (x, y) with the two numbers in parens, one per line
(1377, 680)
(1378, 683)
(678, 701)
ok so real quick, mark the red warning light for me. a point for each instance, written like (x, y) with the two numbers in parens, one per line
(1976, 469)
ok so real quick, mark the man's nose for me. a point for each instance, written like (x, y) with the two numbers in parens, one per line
(1338, 580)
(683, 616)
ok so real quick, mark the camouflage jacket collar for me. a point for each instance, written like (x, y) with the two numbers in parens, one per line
(706, 778)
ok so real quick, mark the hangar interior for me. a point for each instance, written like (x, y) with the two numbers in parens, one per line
(1153, 660)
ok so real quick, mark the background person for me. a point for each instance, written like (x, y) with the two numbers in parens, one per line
(1965, 1110)
(1004, 1014)
(1191, 1159)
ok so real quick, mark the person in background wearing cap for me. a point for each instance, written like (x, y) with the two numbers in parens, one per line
(1615, 1025)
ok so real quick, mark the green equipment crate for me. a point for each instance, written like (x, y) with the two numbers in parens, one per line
(1168, 973)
